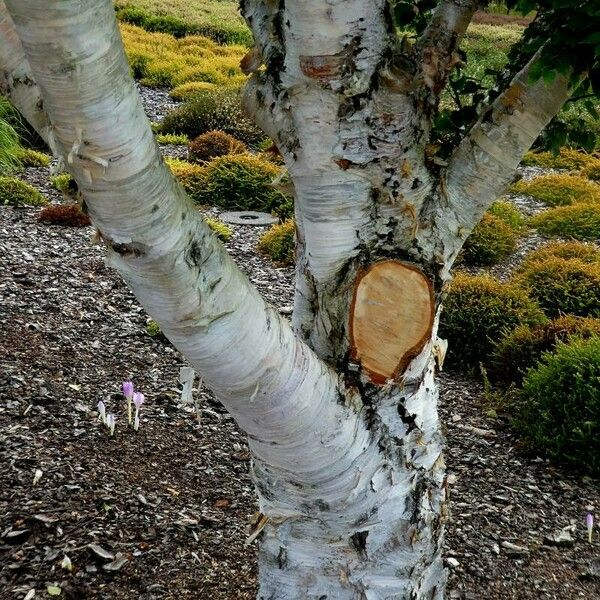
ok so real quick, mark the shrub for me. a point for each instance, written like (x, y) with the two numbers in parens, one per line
(66, 184)
(570, 159)
(586, 253)
(223, 231)
(505, 210)
(491, 241)
(33, 158)
(523, 347)
(237, 182)
(186, 91)
(211, 144)
(193, 58)
(189, 175)
(209, 111)
(581, 222)
(559, 190)
(563, 286)
(279, 242)
(558, 410)
(171, 138)
(69, 215)
(478, 310)
(14, 192)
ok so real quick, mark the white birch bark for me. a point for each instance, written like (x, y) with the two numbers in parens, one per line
(349, 473)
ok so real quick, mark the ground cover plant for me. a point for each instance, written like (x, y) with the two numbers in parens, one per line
(67, 215)
(211, 144)
(219, 20)
(558, 410)
(212, 110)
(523, 347)
(279, 242)
(478, 311)
(559, 285)
(580, 222)
(161, 60)
(559, 189)
(495, 236)
(14, 192)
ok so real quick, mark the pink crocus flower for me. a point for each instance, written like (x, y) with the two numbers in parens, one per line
(589, 522)
(128, 393)
(138, 400)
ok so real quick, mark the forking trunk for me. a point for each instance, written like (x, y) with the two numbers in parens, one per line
(341, 413)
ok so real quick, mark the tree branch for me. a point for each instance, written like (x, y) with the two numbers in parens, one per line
(485, 161)
(436, 48)
(16, 79)
(280, 393)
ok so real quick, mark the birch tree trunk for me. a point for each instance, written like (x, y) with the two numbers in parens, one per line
(341, 410)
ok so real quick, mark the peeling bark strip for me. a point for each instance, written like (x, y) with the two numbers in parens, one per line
(391, 319)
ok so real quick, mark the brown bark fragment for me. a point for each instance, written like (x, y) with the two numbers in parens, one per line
(391, 318)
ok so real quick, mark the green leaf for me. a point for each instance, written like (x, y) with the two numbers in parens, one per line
(53, 590)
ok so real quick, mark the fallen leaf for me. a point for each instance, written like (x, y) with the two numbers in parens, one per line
(53, 590)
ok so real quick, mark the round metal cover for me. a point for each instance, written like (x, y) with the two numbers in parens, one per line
(248, 217)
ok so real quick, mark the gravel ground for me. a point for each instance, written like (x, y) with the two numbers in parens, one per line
(161, 513)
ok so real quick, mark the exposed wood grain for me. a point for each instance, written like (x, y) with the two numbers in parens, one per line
(391, 319)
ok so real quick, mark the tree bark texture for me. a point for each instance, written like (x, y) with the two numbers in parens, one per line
(340, 409)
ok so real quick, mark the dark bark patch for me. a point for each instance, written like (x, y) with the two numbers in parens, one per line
(282, 558)
(135, 249)
(358, 541)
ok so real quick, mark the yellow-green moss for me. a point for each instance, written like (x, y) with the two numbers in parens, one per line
(223, 231)
(279, 242)
(587, 253)
(14, 192)
(161, 60)
(523, 347)
(172, 139)
(188, 90)
(570, 159)
(33, 158)
(509, 213)
(478, 310)
(559, 190)
(580, 221)
(491, 241)
(563, 286)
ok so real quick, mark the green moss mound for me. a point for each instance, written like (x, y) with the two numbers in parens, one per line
(212, 144)
(491, 241)
(33, 158)
(592, 171)
(581, 222)
(478, 311)
(509, 213)
(209, 111)
(563, 286)
(223, 231)
(523, 347)
(14, 192)
(66, 184)
(558, 410)
(587, 253)
(567, 158)
(560, 190)
(234, 182)
(186, 91)
(172, 139)
(279, 242)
